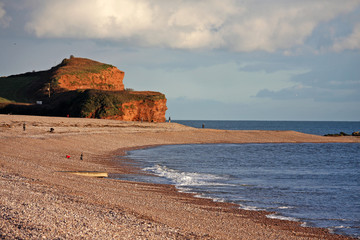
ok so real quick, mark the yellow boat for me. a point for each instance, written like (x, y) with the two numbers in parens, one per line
(91, 174)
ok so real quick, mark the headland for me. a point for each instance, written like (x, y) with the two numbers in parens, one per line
(79, 87)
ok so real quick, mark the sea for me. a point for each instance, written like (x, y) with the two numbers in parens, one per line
(317, 185)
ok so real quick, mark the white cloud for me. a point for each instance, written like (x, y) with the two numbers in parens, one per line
(185, 24)
(4, 19)
(350, 42)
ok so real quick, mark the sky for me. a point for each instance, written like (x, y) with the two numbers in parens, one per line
(214, 60)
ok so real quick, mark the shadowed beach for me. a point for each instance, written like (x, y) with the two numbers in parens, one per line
(40, 199)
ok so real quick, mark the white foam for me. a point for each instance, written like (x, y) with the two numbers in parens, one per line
(285, 207)
(275, 216)
(207, 197)
(332, 229)
(185, 190)
(219, 200)
(181, 179)
(185, 180)
(251, 208)
(339, 227)
(304, 224)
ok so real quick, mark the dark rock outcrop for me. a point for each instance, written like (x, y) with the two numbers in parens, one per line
(356, 133)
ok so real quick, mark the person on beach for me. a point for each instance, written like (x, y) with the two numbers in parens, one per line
(24, 126)
(81, 156)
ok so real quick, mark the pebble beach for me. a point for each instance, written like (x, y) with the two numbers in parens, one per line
(40, 199)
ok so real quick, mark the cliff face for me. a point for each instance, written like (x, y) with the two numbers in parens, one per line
(82, 73)
(145, 110)
(108, 79)
(125, 105)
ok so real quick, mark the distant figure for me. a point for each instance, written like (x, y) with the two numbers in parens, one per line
(81, 156)
(24, 126)
(68, 115)
(141, 120)
(169, 119)
(52, 130)
(203, 125)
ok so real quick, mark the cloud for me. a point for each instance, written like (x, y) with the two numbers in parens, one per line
(308, 86)
(269, 66)
(4, 19)
(307, 92)
(329, 77)
(350, 42)
(242, 26)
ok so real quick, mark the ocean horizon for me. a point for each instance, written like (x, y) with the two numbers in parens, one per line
(310, 127)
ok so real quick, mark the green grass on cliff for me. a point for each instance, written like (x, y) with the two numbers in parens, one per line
(80, 67)
(102, 104)
(99, 104)
(85, 65)
(14, 88)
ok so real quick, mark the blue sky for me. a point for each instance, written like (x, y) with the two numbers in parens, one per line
(219, 60)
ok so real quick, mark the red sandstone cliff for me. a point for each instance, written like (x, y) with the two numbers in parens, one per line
(79, 87)
(82, 73)
(147, 110)
(144, 110)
